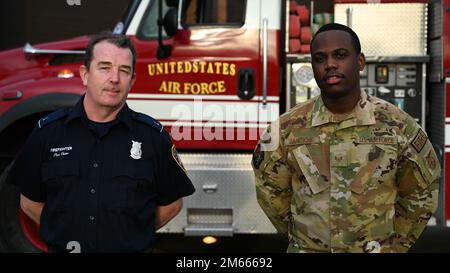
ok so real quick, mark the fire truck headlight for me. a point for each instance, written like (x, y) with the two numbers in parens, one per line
(209, 240)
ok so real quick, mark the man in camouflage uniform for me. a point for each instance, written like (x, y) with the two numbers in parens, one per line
(345, 171)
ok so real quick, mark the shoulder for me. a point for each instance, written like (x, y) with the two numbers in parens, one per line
(393, 116)
(299, 115)
(407, 128)
(386, 108)
(53, 117)
(148, 121)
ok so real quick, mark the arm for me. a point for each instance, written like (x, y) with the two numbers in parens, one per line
(31, 208)
(25, 173)
(166, 213)
(418, 186)
(173, 183)
(273, 180)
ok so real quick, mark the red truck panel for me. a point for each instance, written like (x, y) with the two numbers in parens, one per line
(379, 1)
(446, 37)
(166, 88)
(447, 158)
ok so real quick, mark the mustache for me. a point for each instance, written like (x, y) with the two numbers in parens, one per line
(333, 74)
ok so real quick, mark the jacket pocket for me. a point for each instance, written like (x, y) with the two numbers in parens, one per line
(314, 166)
(374, 165)
(61, 178)
(310, 199)
(132, 185)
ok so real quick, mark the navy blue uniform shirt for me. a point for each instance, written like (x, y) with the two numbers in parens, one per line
(100, 183)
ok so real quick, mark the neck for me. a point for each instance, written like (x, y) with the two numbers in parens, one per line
(101, 114)
(342, 105)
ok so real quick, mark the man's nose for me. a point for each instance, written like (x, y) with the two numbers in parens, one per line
(330, 64)
(114, 77)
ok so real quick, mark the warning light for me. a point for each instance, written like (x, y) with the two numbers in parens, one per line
(65, 73)
(382, 74)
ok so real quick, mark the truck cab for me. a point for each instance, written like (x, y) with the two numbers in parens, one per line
(209, 71)
(216, 73)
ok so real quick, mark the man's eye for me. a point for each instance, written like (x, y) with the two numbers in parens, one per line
(125, 71)
(104, 68)
(341, 55)
(319, 59)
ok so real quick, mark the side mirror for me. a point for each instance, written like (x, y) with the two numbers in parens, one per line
(172, 3)
(170, 22)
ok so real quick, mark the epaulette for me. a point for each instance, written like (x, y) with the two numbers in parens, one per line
(149, 121)
(52, 117)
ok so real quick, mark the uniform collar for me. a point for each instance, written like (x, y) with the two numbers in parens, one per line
(78, 111)
(362, 114)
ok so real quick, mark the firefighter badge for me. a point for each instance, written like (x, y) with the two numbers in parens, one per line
(136, 151)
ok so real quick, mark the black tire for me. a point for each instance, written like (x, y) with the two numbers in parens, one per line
(12, 238)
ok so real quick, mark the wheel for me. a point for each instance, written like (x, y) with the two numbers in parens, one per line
(18, 233)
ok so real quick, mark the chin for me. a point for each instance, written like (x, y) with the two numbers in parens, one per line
(111, 103)
(334, 94)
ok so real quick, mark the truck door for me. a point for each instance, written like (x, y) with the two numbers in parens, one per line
(208, 92)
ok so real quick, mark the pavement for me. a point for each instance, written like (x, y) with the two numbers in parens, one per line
(433, 240)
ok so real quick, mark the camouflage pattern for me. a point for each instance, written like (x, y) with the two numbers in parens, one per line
(366, 181)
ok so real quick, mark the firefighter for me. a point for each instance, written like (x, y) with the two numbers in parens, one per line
(100, 177)
(345, 171)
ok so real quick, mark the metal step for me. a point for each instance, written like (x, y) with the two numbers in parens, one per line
(225, 198)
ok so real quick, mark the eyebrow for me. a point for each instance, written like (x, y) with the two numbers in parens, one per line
(335, 50)
(110, 64)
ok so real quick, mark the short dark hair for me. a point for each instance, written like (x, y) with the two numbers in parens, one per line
(119, 40)
(335, 26)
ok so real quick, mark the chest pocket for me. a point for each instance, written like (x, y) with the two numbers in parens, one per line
(61, 176)
(373, 164)
(311, 157)
(131, 185)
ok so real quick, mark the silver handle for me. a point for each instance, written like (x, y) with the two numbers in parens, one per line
(209, 188)
(349, 17)
(29, 49)
(265, 49)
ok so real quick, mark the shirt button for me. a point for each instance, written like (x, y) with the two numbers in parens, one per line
(92, 218)
(92, 191)
(95, 165)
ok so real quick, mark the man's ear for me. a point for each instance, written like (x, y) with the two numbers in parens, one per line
(84, 74)
(133, 79)
(361, 61)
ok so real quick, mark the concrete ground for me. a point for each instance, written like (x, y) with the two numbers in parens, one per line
(433, 240)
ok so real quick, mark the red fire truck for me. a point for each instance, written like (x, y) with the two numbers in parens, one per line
(216, 73)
